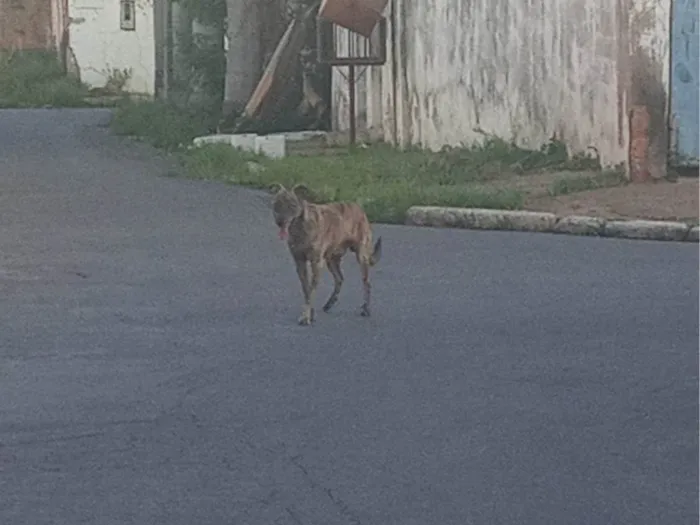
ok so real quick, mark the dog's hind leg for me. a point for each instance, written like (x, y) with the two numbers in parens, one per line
(367, 290)
(316, 267)
(363, 258)
(333, 264)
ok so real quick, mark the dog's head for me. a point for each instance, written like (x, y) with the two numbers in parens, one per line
(287, 205)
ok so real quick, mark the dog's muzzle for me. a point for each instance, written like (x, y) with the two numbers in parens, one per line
(284, 230)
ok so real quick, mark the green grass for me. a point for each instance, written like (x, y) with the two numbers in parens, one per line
(495, 157)
(384, 181)
(690, 221)
(604, 179)
(36, 79)
(159, 123)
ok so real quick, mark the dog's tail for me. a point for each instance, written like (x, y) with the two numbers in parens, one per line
(376, 253)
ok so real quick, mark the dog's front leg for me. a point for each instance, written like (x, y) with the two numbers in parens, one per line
(307, 315)
(302, 272)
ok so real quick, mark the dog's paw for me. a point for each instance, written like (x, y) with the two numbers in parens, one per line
(307, 318)
(327, 307)
(364, 311)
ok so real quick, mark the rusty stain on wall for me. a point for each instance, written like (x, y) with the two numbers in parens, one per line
(648, 92)
(26, 25)
(523, 71)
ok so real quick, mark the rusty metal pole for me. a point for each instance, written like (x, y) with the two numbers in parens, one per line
(351, 109)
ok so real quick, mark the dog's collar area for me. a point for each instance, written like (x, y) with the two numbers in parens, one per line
(297, 219)
(284, 228)
(301, 215)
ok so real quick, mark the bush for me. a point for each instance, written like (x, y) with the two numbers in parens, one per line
(384, 181)
(160, 123)
(36, 79)
(604, 179)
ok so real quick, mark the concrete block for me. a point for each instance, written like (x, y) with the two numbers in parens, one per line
(244, 141)
(580, 225)
(273, 145)
(435, 216)
(693, 234)
(480, 219)
(528, 221)
(212, 139)
(416, 216)
(649, 230)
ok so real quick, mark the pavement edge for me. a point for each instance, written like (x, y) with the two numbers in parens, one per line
(530, 221)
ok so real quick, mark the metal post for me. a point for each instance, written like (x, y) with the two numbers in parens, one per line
(168, 62)
(351, 89)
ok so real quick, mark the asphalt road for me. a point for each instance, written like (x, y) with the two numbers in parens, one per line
(152, 372)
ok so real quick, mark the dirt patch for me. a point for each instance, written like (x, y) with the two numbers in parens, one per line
(660, 200)
(539, 184)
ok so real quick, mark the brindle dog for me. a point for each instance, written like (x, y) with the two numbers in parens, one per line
(319, 234)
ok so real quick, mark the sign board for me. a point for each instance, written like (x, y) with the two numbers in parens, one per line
(360, 16)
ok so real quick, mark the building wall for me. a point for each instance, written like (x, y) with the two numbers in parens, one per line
(524, 71)
(685, 84)
(59, 23)
(98, 44)
(27, 24)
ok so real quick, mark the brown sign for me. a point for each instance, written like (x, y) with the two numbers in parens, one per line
(360, 16)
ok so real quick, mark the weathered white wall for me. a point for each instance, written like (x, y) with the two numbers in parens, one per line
(524, 71)
(59, 21)
(647, 69)
(100, 45)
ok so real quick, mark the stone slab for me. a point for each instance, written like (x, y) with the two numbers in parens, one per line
(648, 230)
(480, 219)
(693, 234)
(580, 225)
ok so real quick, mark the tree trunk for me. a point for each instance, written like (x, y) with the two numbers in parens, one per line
(182, 46)
(243, 61)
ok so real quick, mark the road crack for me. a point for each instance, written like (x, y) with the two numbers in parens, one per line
(338, 502)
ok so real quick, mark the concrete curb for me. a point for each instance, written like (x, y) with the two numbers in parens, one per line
(529, 221)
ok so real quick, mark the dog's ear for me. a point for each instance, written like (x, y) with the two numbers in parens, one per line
(275, 188)
(302, 192)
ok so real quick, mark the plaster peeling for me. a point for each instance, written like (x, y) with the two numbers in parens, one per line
(99, 45)
(648, 90)
(523, 71)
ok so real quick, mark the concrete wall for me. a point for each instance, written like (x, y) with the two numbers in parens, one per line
(28, 24)
(98, 44)
(524, 71)
(59, 23)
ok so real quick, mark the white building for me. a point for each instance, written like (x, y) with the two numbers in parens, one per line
(110, 38)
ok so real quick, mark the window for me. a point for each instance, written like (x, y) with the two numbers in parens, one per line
(127, 15)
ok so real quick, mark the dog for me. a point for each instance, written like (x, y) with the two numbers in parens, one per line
(321, 234)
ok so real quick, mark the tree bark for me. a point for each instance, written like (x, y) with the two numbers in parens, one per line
(243, 60)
